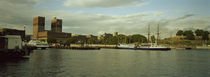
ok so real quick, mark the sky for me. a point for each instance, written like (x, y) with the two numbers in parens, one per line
(99, 16)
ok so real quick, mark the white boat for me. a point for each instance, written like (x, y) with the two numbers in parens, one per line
(126, 46)
(38, 44)
(153, 46)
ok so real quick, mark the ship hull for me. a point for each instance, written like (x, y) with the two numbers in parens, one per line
(126, 48)
(154, 48)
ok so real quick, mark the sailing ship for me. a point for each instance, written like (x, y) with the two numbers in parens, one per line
(153, 46)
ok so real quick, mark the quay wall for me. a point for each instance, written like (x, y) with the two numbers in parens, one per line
(89, 45)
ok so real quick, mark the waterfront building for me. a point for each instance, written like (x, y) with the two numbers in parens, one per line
(104, 36)
(100, 37)
(40, 33)
(91, 36)
(6, 31)
(115, 34)
(56, 25)
(38, 26)
(74, 35)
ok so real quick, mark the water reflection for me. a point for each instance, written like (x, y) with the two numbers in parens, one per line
(46, 63)
(197, 64)
(109, 63)
(9, 66)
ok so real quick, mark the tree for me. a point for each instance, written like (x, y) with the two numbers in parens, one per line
(71, 40)
(121, 38)
(189, 35)
(92, 41)
(205, 35)
(137, 38)
(179, 33)
(199, 32)
(112, 40)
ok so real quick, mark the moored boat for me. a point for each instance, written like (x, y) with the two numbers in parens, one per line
(153, 46)
(126, 46)
(38, 44)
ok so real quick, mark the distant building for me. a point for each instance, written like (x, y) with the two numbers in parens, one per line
(100, 37)
(75, 35)
(179, 37)
(89, 36)
(40, 33)
(56, 25)
(56, 35)
(198, 37)
(115, 34)
(5, 31)
(104, 36)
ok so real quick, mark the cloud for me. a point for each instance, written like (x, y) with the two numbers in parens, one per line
(184, 17)
(16, 14)
(101, 3)
(165, 22)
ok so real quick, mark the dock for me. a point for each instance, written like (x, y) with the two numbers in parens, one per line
(77, 48)
(15, 52)
(83, 46)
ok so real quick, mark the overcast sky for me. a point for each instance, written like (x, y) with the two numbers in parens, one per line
(99, 16)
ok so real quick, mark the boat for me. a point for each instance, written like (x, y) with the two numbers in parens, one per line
(126, 46)
(153, 46)
(38, 44)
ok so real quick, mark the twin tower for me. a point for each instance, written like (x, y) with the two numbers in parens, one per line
(39, 25)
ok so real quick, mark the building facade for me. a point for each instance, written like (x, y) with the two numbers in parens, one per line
(40, 33)
(115, 34)
(6, 31)
(56, 25)
(38, 25)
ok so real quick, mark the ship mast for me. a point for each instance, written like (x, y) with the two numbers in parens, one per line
(149, 33)
(158, 35)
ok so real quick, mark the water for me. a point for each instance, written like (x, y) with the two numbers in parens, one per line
(109, 63)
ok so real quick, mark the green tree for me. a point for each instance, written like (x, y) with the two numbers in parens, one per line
(137, 38)
(179, 33)
(205, 35)
(71, 40)
(199, 32)
(92, 41)
(189, 35)
(121, 38)
(112, 40)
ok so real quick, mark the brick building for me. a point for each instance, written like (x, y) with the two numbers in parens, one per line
(38, 25)
(56, 25)
(40, 33)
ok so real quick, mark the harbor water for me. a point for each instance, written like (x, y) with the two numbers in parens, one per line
(108, 63)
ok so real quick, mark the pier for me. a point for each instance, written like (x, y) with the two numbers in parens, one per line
(83, 46)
